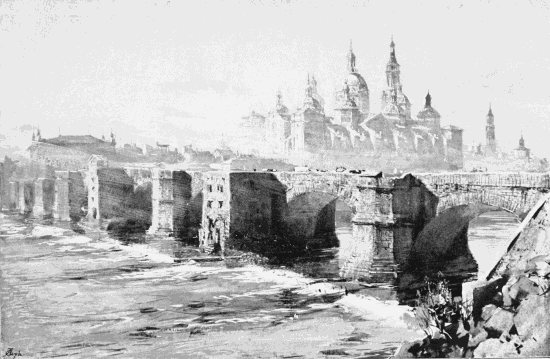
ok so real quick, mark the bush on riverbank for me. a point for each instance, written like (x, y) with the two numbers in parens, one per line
(444, 319)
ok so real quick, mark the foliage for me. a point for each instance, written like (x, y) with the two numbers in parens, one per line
(445, 320)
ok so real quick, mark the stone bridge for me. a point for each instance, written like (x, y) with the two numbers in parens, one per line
(389, 213)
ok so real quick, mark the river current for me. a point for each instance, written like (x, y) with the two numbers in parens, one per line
(66, 294)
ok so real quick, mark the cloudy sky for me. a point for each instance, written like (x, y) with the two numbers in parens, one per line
(174, 71)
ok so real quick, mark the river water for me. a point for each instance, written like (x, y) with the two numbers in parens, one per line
(89, 295)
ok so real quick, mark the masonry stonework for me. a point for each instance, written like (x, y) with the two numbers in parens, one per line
(389, 212)
(171, 194)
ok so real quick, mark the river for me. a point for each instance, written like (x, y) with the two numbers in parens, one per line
(88, 295)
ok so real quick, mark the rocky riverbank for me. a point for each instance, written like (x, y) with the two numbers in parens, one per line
(510, 313)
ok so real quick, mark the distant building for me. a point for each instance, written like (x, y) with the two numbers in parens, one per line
(72, 152)
(69, 152)
(522, 152)
(193, 155)
(489, 157)
(132, 149)
(355, 129)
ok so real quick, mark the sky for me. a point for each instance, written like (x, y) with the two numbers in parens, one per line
(184, 72)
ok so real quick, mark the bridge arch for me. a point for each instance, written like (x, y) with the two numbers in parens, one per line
(517, 201)
(315, 215)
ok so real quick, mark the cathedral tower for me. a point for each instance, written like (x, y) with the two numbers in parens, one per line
(490, 141)
(357, 86)
(392, 70)
(429, 115)
(394, 86)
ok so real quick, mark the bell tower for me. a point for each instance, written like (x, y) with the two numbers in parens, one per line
(490, 140)
(392, 69)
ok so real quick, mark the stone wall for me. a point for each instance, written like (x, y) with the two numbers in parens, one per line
(195, 207)
(258, 204)
(108, 192)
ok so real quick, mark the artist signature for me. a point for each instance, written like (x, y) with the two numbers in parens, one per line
(11, 353)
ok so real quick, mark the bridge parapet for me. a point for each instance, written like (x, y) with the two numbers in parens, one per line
(525, 179)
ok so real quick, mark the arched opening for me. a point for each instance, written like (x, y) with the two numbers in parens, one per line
(489, 235)
(463, 243)
(323, 223)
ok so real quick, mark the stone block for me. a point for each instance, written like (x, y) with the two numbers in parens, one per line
(480, 336)
(532, 319)
(522, 288)
(500, 322)
(494, 348)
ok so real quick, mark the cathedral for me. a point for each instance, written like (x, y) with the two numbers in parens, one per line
(354, 128)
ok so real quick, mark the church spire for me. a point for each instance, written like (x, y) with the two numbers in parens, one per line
(392, 51)
(351, 59)
(392, 69)
(428, 100)
(490, 113)
(521, 141)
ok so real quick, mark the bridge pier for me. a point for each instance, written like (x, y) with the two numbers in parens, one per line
(26, 197)
(370, 256)
(43, 198)
(171, 194)
(70, 195)
(109, 191)
(13, 196)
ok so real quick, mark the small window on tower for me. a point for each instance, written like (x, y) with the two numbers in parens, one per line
(209, 188)
(220, 204)
(220, 188)
(209, 204)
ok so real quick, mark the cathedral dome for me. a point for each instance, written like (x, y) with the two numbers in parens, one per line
(356, 81)
(428, 112)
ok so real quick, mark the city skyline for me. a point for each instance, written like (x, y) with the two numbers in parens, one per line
(90, 67)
